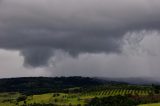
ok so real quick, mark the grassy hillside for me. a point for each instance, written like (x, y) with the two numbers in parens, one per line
(67, 99)
(71, 91)
(45, 84)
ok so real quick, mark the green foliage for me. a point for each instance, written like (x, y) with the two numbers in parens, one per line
(21, 98)
(39, 104)
(113, 101)
(39, 85)
(76, 93)
(156, 88)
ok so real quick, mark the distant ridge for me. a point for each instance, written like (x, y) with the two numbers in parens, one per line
(56, 84)
(46, 84)
(134, 80)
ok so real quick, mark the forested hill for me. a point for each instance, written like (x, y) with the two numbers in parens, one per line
(46, 84)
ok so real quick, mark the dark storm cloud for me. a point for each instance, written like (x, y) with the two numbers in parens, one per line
(36, 56)
(38, 28)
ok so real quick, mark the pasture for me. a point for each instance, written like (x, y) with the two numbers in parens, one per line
(67, 99)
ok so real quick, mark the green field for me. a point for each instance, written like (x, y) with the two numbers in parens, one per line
(154, 104)
(10, 99)
(74, 91)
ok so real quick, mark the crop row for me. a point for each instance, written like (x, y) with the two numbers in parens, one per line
(116, 92)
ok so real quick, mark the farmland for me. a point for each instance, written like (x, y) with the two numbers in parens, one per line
(73, 92)
(10, 99)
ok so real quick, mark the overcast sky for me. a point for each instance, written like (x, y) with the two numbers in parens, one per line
(111, 38)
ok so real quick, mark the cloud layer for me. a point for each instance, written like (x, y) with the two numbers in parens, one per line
(140, 57)
(39, 28)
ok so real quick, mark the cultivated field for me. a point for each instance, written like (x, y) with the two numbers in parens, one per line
(74, 91)
(67, 99)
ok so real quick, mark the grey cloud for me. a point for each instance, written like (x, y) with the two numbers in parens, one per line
(38, 28)
(36, 57)
(140, 58)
